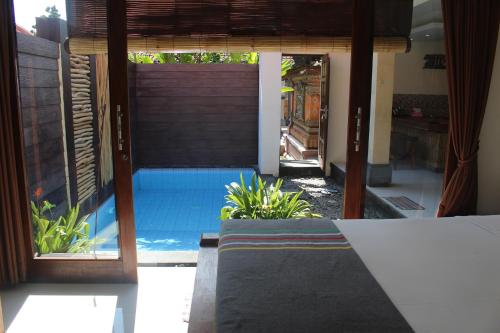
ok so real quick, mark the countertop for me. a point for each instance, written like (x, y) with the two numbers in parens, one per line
(438, 125)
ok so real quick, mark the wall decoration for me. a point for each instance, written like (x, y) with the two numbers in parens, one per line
(299, 100)
(435, 61)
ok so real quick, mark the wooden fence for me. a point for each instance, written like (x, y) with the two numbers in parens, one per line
(195, 115)
(42, 118)
(181, 116)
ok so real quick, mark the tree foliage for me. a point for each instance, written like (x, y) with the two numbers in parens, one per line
(50, 12)
(194, 58)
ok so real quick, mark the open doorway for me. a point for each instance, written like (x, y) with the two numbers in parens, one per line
(304, 109)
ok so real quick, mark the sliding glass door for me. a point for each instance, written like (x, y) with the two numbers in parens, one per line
(74, 111)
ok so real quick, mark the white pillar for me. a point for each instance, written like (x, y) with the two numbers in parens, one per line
(379, 171)
(381, 108)
(269, 112)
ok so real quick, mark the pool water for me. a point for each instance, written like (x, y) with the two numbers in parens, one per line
(173, 207)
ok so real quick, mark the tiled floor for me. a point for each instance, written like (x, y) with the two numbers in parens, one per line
(174, 206)
(159, 303)
(174, 220)
(420, 185)
(443, 275)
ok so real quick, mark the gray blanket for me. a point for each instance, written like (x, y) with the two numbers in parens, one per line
(297, 276)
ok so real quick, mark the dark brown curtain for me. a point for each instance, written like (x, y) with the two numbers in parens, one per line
(13, 259)
(471, 31)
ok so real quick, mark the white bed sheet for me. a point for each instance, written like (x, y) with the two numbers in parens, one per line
(442, 274)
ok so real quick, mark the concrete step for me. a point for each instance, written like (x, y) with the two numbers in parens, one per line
(297, 149)
(300, 168)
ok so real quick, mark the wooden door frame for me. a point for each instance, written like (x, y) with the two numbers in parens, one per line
(327, 104)
(359, 102)
(123, 269)
(118, 92)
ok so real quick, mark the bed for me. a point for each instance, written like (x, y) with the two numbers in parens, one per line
(297, 276)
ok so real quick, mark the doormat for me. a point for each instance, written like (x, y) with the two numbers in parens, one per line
(404, 203)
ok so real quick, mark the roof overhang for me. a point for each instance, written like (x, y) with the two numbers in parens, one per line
(299, 26)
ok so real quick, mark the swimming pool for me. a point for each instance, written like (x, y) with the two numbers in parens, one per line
(173, 207)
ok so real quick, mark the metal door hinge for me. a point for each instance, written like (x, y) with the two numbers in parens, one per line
(357, 141)
(121, 141)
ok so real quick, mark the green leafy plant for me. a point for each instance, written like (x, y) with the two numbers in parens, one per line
(140, 58)
(251, 58)
(65, 234)
(286, 65)
(286, 89)
(260, 201)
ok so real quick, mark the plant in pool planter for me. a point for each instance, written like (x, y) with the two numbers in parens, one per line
(65, 234)
(260, 201)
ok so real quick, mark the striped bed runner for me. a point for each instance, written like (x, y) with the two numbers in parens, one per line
(290, 238)
(296, 276)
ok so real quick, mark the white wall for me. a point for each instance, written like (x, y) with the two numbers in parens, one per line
(269, 112)
(340, 72)
(489, 147)
(411, 78)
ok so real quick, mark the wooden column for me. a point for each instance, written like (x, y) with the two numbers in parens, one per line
(15, 232)
(359, 108)
(119, 102)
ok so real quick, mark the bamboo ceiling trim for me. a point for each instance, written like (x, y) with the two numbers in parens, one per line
(311, 45)
(236, 18)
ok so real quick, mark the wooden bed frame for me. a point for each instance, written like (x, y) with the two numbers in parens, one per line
(202, 315)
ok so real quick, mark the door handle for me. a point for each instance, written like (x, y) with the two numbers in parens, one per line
(357, 141)
(121, 141)
(324, 114)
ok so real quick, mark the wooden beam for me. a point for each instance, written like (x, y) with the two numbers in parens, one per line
(292, 45)
(359, 109)
(119, 101)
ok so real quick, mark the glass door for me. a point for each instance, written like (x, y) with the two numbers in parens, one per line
(76, 139)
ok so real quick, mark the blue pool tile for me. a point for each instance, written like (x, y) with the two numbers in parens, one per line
(173, 207)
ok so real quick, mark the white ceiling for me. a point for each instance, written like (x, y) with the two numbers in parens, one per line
(427, 20)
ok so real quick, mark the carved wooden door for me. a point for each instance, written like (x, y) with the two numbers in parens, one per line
(323, 113)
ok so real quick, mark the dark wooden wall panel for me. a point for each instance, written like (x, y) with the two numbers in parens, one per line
(42, 119)
(195, 115)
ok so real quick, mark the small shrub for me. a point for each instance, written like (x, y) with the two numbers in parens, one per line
(65, 234)
(260, 201)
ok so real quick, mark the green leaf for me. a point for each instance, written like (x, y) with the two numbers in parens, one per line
(286, 65)
(286, 89)
(64, 234)
(260, 201)
(253, 58)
